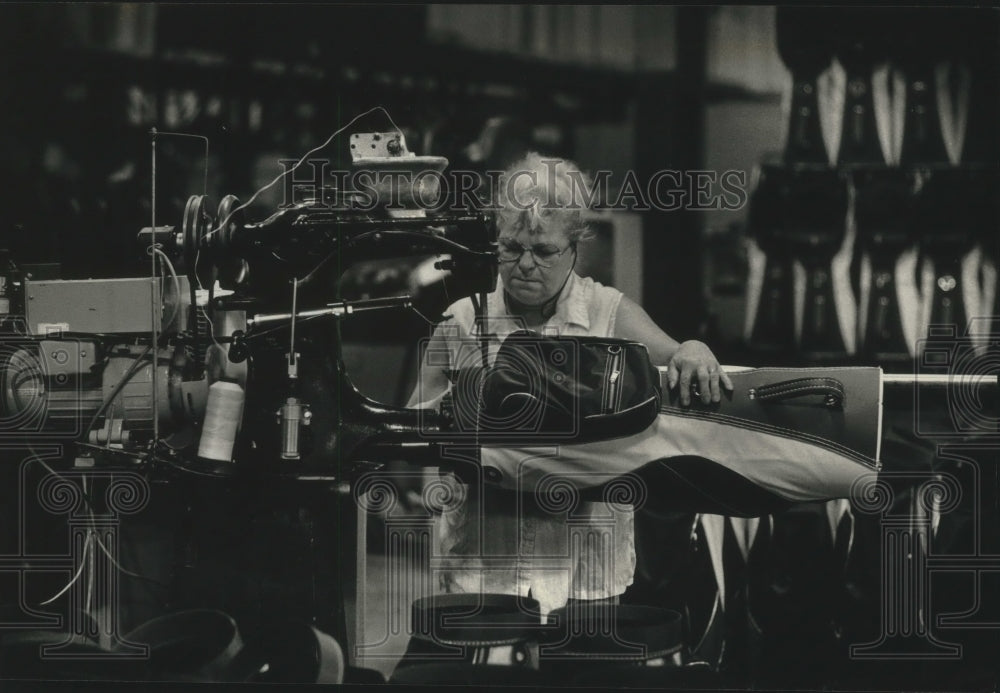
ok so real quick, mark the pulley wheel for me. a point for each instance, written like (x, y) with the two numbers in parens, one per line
(232, 221)
(232, 270)
(196, 226)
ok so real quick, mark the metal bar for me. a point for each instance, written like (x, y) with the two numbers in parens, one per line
(155, 297)
(936, 379)
(373, 303)
(335, 309)
(266, 318)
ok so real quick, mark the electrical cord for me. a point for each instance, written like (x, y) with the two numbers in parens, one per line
(134, 368)
(173, 276)
(128, 375)
(137, 364)
(91, 535)
(76, 576)
(122, 453)
(118, 565)
(87, 556)
(35, 456)
(315, 269)
(211, 327)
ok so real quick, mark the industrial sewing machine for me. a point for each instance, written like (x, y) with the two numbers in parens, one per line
(127, 368)
(225, 365)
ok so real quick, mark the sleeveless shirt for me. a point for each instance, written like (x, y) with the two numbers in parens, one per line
(553, 548)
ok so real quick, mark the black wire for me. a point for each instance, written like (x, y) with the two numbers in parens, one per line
(188, 470)
(114, 451)
(309, 275)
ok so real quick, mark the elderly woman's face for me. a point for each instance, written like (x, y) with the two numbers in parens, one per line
(534, 266)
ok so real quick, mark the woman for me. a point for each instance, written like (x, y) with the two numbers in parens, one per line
(493, 541)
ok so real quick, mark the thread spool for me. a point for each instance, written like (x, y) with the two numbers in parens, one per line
(222, 419)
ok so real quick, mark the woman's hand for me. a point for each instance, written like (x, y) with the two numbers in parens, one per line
(684, 361)
(692, 360)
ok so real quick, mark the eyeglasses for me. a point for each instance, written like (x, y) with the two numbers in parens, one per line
(543, 255)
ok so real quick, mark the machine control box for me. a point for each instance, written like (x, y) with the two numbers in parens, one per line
(94, 306)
